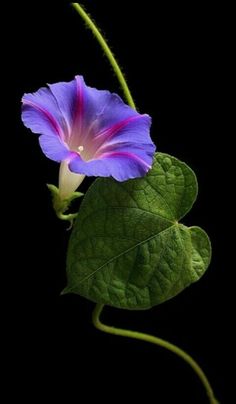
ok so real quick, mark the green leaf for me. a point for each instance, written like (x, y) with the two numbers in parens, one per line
(127, 248)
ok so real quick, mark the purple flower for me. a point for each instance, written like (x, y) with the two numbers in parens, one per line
(91, 132)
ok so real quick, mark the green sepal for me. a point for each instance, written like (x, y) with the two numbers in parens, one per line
(60, 206)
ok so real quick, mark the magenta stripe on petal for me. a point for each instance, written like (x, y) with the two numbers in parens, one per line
(52, 121)
(79, 111)
(124, 154)
(113, 130)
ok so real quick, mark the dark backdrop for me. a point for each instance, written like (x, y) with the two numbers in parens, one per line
(171, 56)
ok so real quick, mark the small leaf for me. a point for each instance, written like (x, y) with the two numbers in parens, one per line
(127, 248)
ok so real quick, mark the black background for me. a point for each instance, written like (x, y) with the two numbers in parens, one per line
(172, 57)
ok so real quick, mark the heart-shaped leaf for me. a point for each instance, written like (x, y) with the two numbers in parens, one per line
(127, 248)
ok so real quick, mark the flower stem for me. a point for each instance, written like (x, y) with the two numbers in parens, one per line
(157, 341)
(101, 40)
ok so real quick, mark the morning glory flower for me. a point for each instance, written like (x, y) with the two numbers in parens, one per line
(90, 132)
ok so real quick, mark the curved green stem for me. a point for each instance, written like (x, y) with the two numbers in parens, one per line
(107, 52)
(70, 217)
(157, 341)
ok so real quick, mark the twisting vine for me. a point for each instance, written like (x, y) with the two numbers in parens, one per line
(99, 307)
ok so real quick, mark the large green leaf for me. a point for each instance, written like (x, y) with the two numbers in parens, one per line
(127, 248)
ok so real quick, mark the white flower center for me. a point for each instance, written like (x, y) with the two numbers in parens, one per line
(80, 148)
